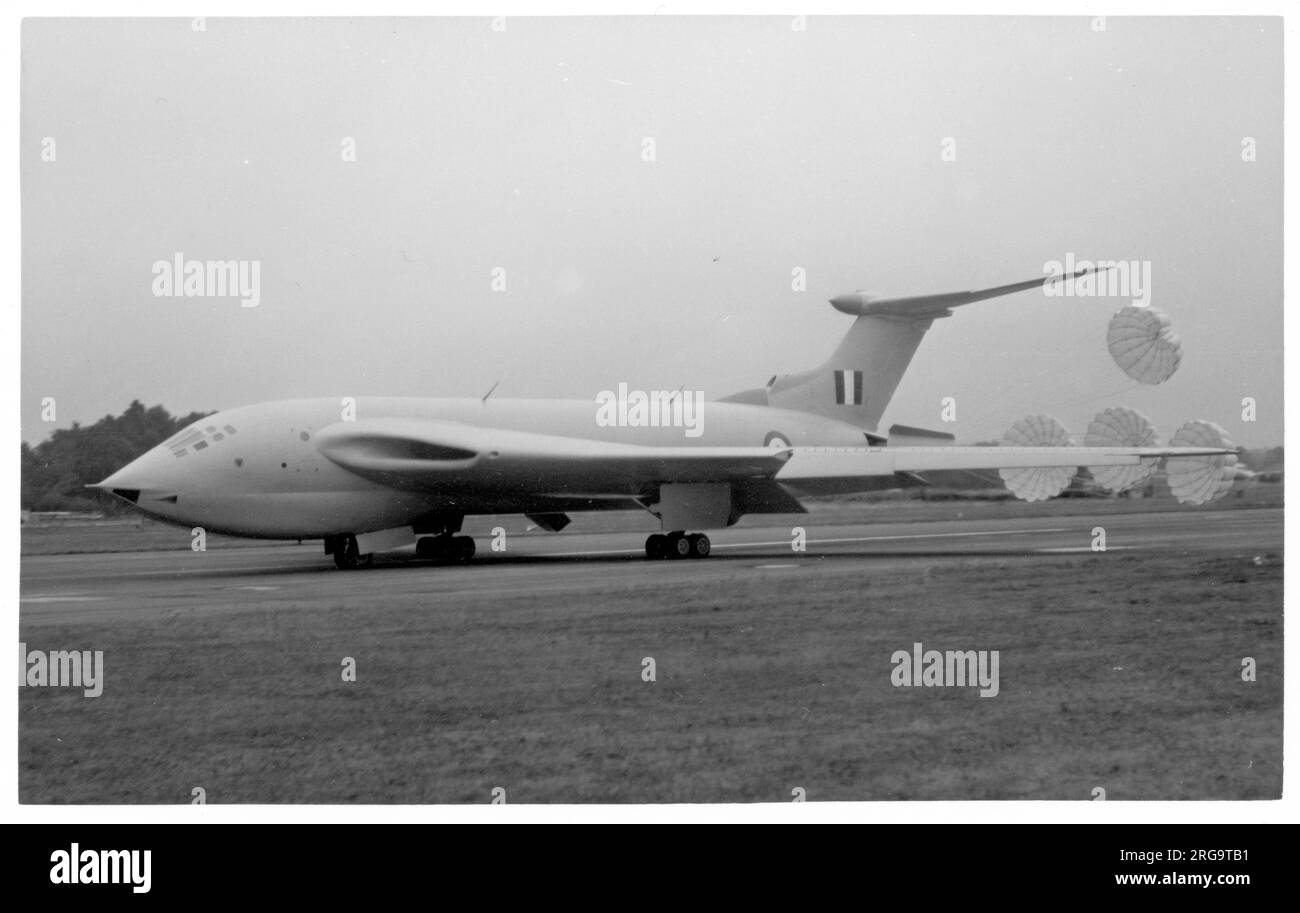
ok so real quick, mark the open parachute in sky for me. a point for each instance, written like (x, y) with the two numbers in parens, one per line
(1144, 345)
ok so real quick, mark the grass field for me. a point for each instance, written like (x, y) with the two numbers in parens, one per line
(1128, 680)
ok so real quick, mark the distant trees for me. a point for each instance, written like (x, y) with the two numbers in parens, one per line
(55, 471)
(1271, 459)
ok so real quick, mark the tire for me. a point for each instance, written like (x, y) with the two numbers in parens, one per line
(463, 548)
(679, 546)
(654, 547)
(700, 546)
(346, 556)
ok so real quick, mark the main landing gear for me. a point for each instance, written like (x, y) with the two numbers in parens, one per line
(678, 545)
(347, 556)
(442, 549)
(445, 549)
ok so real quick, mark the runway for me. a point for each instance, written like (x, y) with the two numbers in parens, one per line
(99, 587)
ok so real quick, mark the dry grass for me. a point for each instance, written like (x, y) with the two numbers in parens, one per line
(1127, 679)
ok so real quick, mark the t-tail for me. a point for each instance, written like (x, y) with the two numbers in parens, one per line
(857, 382)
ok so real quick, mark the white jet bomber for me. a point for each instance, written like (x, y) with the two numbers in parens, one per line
(383, 472)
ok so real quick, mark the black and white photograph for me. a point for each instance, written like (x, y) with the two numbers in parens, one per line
(650, 410)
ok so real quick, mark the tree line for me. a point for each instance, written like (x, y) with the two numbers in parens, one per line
(56, 471)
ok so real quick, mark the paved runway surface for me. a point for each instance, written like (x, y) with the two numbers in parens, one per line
(138, 585)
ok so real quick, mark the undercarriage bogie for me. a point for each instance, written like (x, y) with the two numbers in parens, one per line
(443, 548)
(678, 545)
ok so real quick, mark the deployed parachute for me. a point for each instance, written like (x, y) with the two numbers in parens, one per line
(1121, 426)
(1144, 345)
(1198, 480)
(1041, 483)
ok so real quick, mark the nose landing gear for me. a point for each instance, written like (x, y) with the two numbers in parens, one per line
(678, 545)
(347, 556)
(442, 549)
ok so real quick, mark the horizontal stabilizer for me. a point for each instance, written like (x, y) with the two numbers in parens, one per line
(928, 307)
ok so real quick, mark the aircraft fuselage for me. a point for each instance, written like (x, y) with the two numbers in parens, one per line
(257, 471)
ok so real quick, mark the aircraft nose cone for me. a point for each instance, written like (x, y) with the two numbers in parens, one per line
(129, 476)
(142, 474)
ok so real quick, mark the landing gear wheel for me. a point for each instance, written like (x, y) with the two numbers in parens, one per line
(679, 545)
(462, 547)
(346, 555)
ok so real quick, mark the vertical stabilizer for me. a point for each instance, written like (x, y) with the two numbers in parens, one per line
(857, 382)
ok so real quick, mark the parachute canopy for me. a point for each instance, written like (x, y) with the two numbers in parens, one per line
(1197, 480)
(1120, 426)
(1144, 345)
(1037, 484)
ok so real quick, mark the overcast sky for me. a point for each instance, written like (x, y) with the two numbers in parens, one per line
(522, 150)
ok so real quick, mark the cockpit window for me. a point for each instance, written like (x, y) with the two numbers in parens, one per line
(196, 438)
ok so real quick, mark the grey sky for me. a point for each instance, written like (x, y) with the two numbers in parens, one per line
(522, 150)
